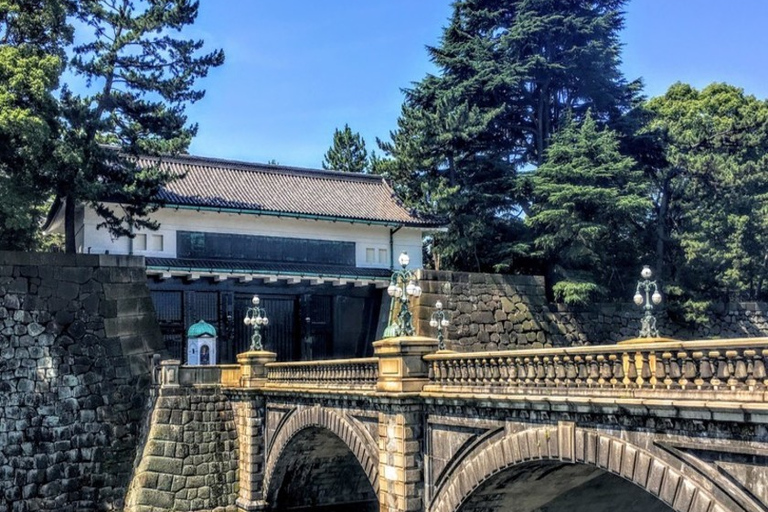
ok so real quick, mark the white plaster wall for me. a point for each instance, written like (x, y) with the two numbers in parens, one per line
(364, 236)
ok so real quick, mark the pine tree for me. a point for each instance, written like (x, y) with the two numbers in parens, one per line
(591, 203)
(347, 153)
(510, 73)
(143, 76)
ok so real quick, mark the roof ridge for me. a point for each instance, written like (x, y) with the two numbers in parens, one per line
(269, 168)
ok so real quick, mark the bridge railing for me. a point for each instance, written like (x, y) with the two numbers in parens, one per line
(733, 365)
(342, 374)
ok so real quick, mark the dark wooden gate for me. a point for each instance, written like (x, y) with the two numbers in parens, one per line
(279, 336)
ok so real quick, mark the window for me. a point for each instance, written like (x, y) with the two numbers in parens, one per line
(370, 255)
(140, 243)
(156, 243)
(384, 256)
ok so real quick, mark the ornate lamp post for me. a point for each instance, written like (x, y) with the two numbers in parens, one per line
(439, 319)
(257, 318)
(402, 286)
(648, 323)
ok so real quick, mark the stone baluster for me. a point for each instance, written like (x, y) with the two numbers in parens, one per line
(617, 370)
(530, 372)
(605, 370)
(656, 364)
(762, 369)
(495, 373)
(538, 372)
(687, 369)
(559, 370)
(666, 365)
(570, 372)
(504, 374)
(472, 371)
(518, 370)
(644, 373)
(487, 374)
(592, 372)
(580, 371)
(714, 361)
(513, 372)
(464, 372)
(549, 372)
(630, 370)
(755, 369)
(450, 377)
(737, 368)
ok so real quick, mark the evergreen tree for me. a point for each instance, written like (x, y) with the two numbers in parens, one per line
(142, 77)
(591, 203)
(347, 153)
(33, 34)
(510, 73)
(710, 188)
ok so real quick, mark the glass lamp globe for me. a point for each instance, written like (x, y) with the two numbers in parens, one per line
(404, 259)
(391, 290)
(417, 291)
(444, 322)
(638, 299)
(438, 305)
(265, 321)
(656, 297)
(247, 320)
(255, 300)
(257, 320)
(433, 323)
(646, 272)
(411, 288)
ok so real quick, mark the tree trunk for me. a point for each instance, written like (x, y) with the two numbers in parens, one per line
(69, 224)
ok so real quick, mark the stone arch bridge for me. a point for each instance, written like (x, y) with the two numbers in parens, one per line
(651, 426)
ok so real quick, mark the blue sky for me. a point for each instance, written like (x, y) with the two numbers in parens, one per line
(298, 69)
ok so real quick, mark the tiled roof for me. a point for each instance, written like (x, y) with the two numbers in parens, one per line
(256, 267)
(274, 189)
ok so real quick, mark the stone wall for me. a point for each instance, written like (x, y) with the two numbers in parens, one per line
(500, 312)
(189, 461)
(77, 336)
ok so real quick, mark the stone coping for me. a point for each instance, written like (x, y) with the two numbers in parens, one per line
(324, 362)
(661, 346)
(60, 259)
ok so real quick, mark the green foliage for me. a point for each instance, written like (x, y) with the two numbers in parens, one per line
(711, 191)
(33, 35)
(347, 153)
(510, 74)
(590, 206)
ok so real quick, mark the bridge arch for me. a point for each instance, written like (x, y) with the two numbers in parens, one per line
(544, 446)
(320, 421)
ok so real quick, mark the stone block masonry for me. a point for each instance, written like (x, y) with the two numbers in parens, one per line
(499, 312)
(190, 459)
(77, 335)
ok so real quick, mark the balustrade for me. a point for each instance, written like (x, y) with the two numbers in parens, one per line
(343, 374)
(716, 365)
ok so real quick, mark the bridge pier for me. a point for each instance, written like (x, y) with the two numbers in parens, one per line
(403, 372)
(250, 407)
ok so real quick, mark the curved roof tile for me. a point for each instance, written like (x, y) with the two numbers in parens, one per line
(209, 182)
